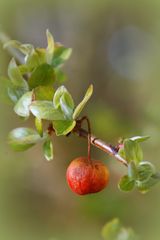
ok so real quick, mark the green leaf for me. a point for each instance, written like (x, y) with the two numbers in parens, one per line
(41, 53)
(48, 150)
(24, 48)
(63, 127)
(45, 110)
(58, 94)
(61, 54)
(15, 93)
(21, 139)
(33, 60)
(42, 76)
(81, 105)
(60, 76)
(64, 100)
(145, 171)
(44, 93)
(145, 186)
(139, 139)
(39, 126)
(15, 75)
(50, 47)
(4, 82)
(23, 68)
(126, 184)
(111, 230)
(133, 151)
(127, 234)
(132, 170)
(67, 105)
(22, 106)
(33, 57)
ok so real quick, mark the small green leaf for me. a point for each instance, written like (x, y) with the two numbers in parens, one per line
(145, 171)
(64, 100)
(15, 93)
(22, 106)
(50, 47)
(139, 139)
(61, 54)
(58, 94)
(45, 110)
(145, 186)
(44, 93)
(41, 53)
(15, 75)
(60, 76)
(67, 105)
(81, 105)
(133, 151)
(24, 48)
(132, 170)
(33, 57)
(127, 234)
(39, 126)
(111, 230)
(8, 91)
(126, 184)
(63, 127)
(42, 76)
(48, 150)
(21, 139)
(23, 68)
(32, 60)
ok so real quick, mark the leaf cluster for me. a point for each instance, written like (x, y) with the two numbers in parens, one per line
(31, 87)
(141, 174)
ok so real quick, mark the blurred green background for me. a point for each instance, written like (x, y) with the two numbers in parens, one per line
(116, 46)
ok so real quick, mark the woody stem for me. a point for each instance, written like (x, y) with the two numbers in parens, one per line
(96, 142)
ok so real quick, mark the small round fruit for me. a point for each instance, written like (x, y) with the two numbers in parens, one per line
(84, 177)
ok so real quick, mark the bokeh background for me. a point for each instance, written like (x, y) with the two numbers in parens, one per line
(116, 46)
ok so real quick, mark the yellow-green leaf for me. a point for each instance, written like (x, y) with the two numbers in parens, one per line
(45, 110)
(16, 76)
(39, 126)
(22, 106)
(44, 93)
(126, 184)
(20, 139)
(81, 105)
(43, 75)
(50, 47)
(63, 127)
(48, 150)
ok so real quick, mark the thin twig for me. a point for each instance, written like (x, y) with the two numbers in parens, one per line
(101, 145)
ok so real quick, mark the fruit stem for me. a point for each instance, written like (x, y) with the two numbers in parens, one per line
(88, 136)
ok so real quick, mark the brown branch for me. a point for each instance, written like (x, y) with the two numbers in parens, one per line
(101, 145)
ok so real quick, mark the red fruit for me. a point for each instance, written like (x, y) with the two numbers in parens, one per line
(84, 177)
